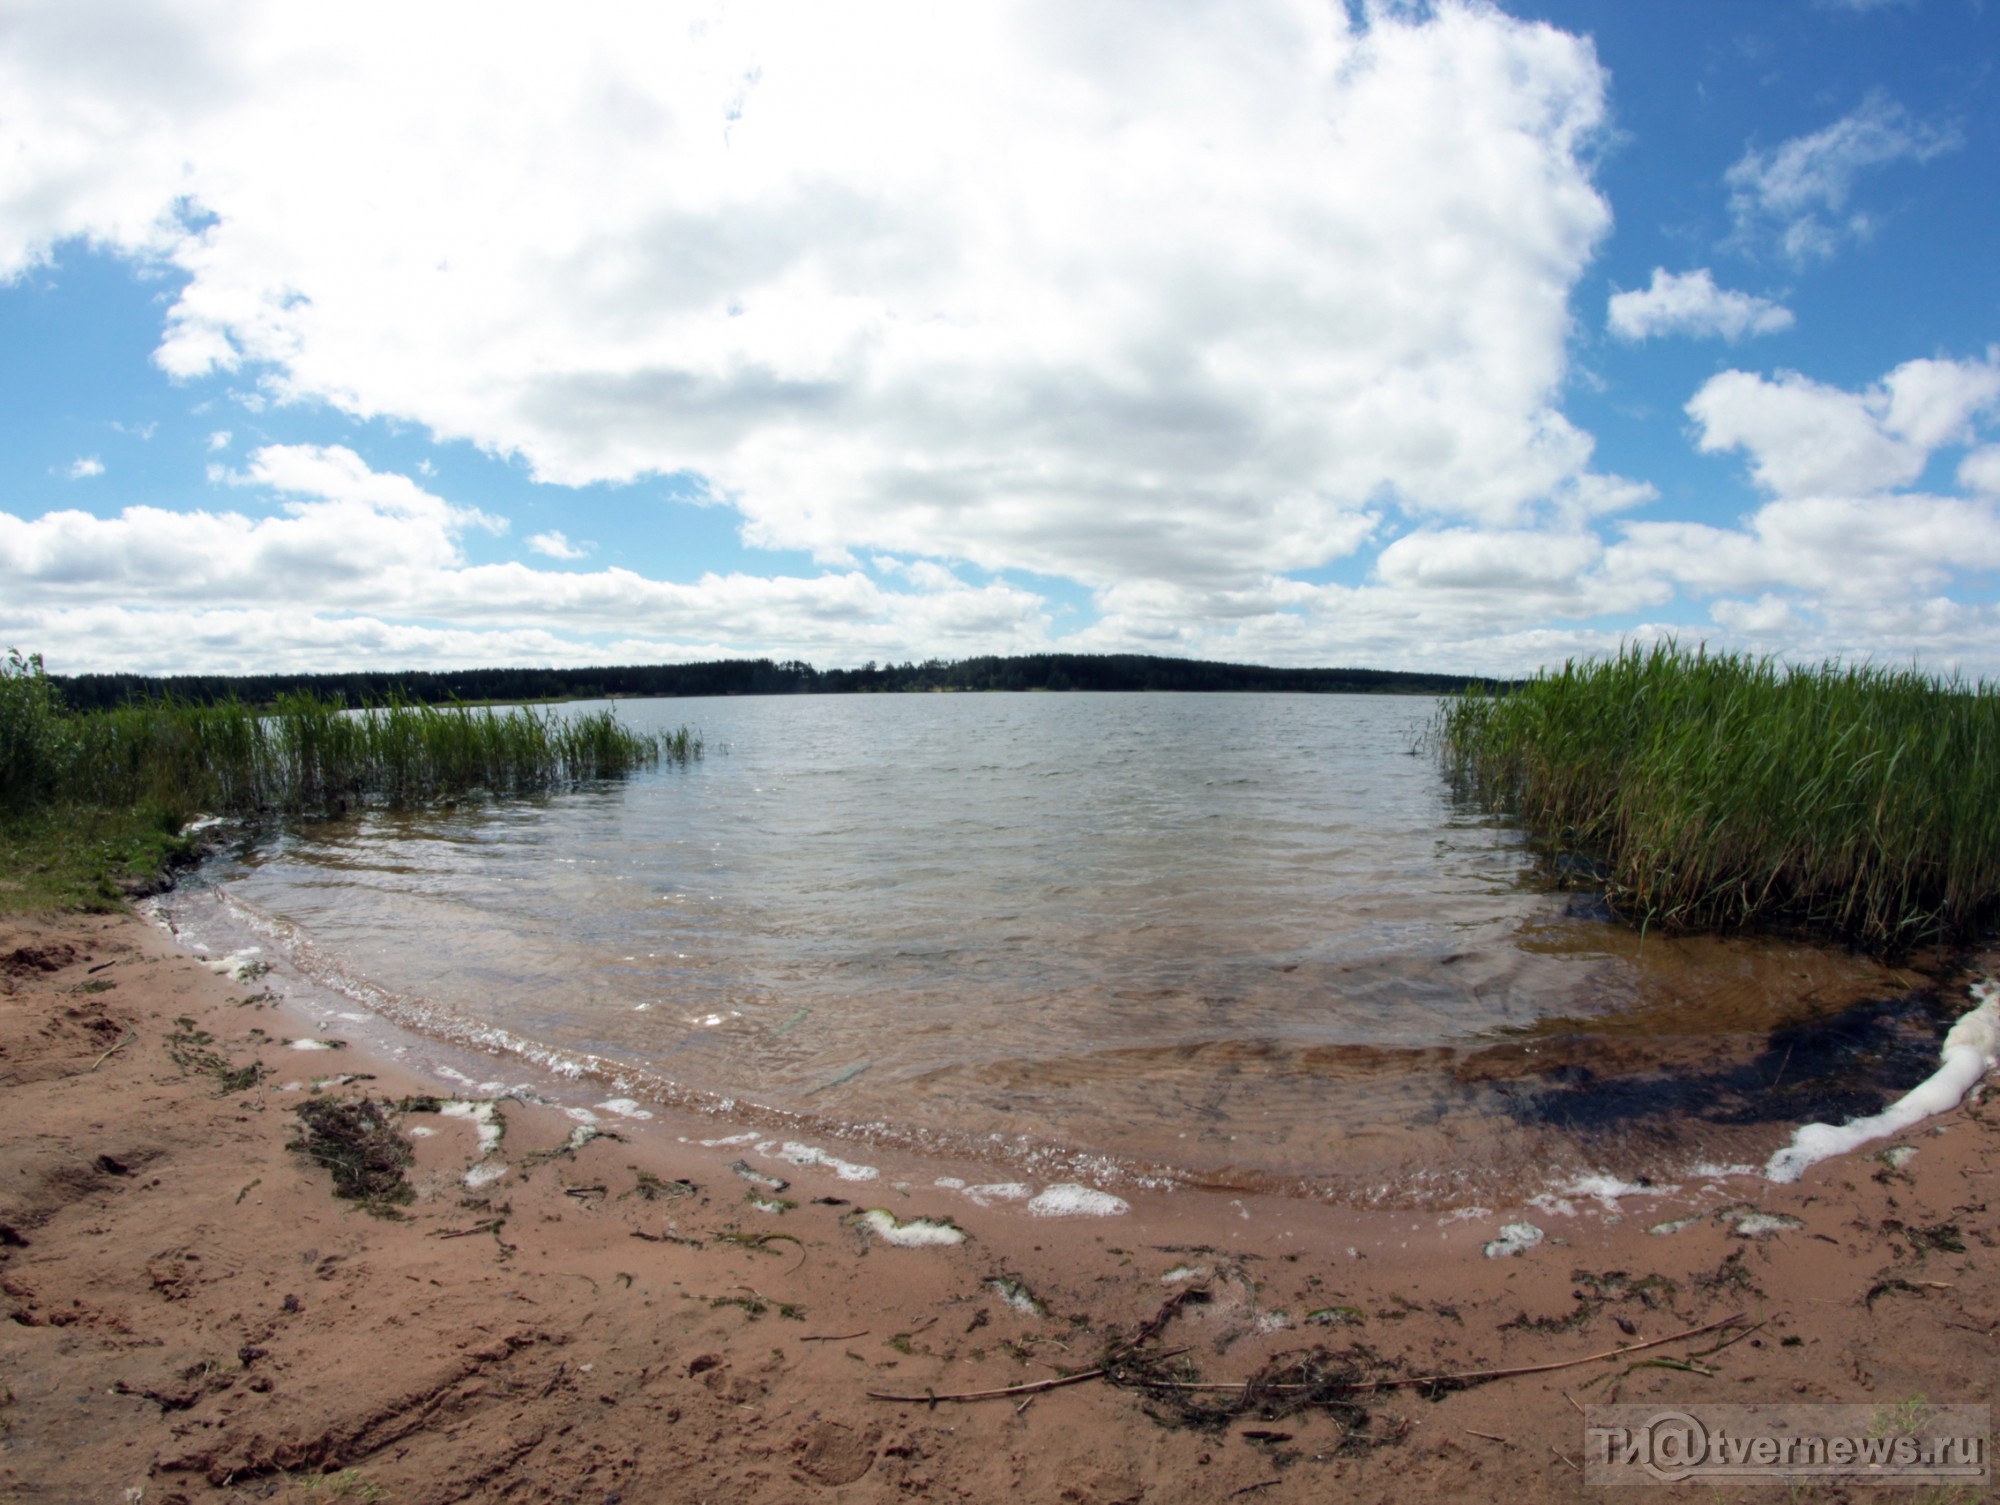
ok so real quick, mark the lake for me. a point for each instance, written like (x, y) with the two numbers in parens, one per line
(1230, 940)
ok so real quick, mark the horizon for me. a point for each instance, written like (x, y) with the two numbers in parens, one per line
(1444, 338)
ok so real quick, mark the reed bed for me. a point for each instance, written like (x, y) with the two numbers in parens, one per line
(304, 753)
(1720, 791)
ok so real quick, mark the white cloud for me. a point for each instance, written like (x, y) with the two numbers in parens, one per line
(1799, 191)
(219, 440)
(1844, 560)
(556, 545)
(84, 468)
(1980, 470)
(1097, 291)
(1806, 438)
(1690, 303)
(347, 545)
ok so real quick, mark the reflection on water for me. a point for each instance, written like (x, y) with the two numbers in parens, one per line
(1245, 937)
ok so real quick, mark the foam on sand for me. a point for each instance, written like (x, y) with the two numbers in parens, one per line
(1969, 1052)
(1515, 1238)
(625, 1107)
(1069, 1200)
(806, 1154)
(917, 1233)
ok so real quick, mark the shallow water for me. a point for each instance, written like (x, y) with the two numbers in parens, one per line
(1245, 940)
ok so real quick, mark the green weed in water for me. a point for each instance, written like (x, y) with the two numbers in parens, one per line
(1719, 791)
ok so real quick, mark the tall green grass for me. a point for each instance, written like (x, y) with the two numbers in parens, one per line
(1720, 791)
(305, 753)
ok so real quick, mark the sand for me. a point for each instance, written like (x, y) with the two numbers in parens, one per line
(192, 1314)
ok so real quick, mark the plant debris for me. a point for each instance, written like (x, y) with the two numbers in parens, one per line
(357, 1140)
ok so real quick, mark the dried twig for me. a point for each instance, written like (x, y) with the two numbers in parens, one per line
(123, 1040)
(1033, 1388)
(492, 1226)
(1487, 1435)
(1475, 1376)
(1462, 1377)
(834, 1337)
(1472, 1375)
(1726, 1342)
(1250, 1489)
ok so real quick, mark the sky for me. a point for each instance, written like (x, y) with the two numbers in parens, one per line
(1449, 336)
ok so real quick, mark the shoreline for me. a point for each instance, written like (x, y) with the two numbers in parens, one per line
(193, 1315)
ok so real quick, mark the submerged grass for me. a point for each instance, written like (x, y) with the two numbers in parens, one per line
(140, 771)
(1720, 791)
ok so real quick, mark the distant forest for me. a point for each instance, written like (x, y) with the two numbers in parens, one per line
(1039, 671)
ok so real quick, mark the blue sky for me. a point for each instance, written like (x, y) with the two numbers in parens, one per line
(1452, 336)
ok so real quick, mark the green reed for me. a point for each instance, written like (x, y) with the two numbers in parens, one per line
(1722, 791)
(304, 753)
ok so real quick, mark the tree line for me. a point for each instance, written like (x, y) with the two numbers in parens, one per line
(760, 676)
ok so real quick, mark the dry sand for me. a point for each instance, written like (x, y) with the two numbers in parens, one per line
(192, 1315)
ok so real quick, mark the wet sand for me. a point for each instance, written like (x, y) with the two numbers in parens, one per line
(192, 1314)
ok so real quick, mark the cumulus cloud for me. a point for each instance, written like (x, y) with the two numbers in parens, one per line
(1850, 556)
(1804, 437)
(362, 553)
(85, 467)
(555, 544)
(1090, 291)
(1690, 303)
(1799, 192)
(1980, 470)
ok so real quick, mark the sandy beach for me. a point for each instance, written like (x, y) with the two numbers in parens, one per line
(193, 1314)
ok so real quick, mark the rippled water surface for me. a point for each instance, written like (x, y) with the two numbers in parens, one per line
(1244, 939)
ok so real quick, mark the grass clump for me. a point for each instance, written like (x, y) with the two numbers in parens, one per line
(1720, 791)
(92, 804)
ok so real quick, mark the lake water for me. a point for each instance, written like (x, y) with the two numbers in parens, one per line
(1236, 940)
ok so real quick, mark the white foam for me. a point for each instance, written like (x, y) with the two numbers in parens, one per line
(580, 1115)
(949, 1183)
(1673, 1226)
(315, 1045)
(1761, 1224)
(1970, 1050)
(485, 1173)
(624, 1107)
(918, 1233)
(716, 1144)
(1599, 1186)
(241, 966)
(998, 1191)
(484, 1116)
(847, 1170)
(1515, 1238)
(1069, 1200)
(418, 1131)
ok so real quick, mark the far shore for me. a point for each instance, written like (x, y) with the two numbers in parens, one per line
(195, 1316)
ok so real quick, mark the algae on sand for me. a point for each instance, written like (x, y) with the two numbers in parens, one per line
(357, 1140)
